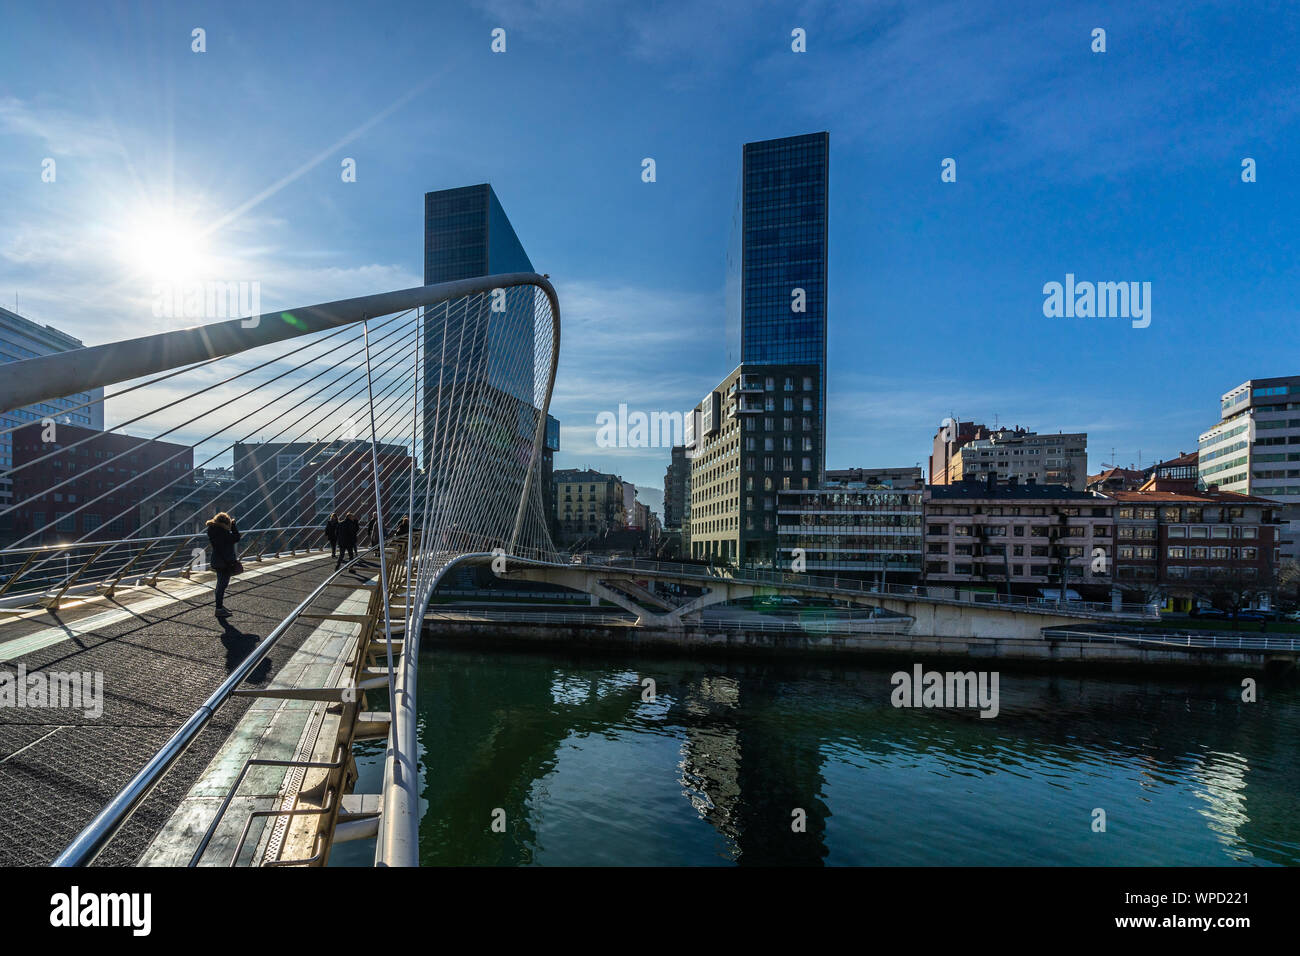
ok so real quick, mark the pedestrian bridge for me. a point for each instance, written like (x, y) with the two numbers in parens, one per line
(196, 741)
(931, 611)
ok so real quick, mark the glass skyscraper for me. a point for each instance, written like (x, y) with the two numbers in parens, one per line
(467, 234)
(777, 258)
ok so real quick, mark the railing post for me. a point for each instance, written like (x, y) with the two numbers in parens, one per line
(19, 573)
(53, 603)
(153, 576)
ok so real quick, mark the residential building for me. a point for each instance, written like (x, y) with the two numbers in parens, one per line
(1187, 545)
(759, 433)
(1184, 467)
(629, 507)
(1015, 537)
(588, 504)
(1060, 459)
(677, 483)
(949, 437)
(1255, 449)
(777, 264)
(21, 339)
(1116, 479)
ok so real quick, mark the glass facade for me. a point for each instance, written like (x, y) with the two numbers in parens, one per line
(467, 234)
(778, 246)
(853, 531)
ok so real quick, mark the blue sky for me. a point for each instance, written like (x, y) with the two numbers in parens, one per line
(1116, 166)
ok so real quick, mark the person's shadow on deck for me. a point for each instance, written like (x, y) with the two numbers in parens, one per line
(239, 645)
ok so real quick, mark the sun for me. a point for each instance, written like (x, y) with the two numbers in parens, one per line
(165, 247)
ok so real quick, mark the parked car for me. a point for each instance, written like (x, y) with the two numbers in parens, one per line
(1210, 612)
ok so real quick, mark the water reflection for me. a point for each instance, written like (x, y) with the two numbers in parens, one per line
(716, 768)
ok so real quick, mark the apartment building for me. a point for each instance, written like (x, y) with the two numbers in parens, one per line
(1019, 538)
(1060, 459)
(1186, 544)
(588, 504)
(759, 433)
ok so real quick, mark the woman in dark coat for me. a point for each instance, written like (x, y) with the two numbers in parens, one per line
(349, 527)
(332, 533)
(222, 534)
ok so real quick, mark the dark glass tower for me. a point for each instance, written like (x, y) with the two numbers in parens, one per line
(467, 234)
(779, 245)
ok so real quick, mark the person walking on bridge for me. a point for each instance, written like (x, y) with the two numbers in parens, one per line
(370, 529)
(222, 535)
(332, 533)
(349, 527)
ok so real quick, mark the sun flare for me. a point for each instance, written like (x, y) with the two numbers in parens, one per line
(165, 247)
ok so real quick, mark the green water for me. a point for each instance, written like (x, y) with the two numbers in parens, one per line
(565, 755)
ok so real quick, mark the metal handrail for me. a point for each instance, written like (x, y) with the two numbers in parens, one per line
(90, 842)
(881, 625)
(154, 540)
(1225, 641)
(61, 581)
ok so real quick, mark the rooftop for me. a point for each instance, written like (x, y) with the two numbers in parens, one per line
(970, 490)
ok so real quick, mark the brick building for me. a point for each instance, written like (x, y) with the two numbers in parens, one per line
(90, 484)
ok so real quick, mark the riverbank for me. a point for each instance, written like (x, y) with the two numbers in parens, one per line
(1095, 651)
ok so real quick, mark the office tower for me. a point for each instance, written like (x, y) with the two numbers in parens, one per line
(20, 339)
(467, 234)
(777, 261)
(1255, 449)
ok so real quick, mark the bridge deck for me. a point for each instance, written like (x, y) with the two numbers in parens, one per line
(274, 729)
(161, 652)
